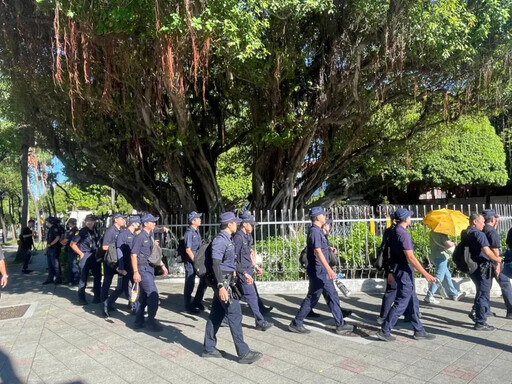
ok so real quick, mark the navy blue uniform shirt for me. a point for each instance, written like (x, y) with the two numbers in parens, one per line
(492, 236)
(316, 239)
(399, 241)
(52, 234)
(87, 241)
(224, 250)
(192, 239)
(475, 240)
(142, 247)
(124, 244)
(70, 234)
(243, 246)
(110, 235)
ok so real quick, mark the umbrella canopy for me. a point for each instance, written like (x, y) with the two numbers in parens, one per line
(447, 221)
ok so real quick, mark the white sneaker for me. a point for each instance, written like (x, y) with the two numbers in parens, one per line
(459, 296)
(431, 300)
(380, 320)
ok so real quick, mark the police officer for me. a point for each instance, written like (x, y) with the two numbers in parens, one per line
(85, 245)
(192, 242)
(320, 276)
(52, 249)
(243, 242)
(124, 245)
(493, 237)
(73, 270)
(223, 265)
(144, 274)
(402, 265)
(110, 237)
(26, 242)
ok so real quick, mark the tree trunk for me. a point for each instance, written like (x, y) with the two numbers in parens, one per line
(2, 220)
(27, 140)
(37, 214)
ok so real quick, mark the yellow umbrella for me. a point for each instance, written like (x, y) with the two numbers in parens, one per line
(447, 221)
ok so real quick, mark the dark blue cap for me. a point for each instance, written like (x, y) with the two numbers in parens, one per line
(229, 217)
(246, 217)
(315, 211)
(194, 215)
(148, 218)
(118, 215)
(90, 217)
(489, 213)
(402, 213)
(134, 219)
(51, 219)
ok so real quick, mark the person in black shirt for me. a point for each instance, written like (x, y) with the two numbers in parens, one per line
(26, 242)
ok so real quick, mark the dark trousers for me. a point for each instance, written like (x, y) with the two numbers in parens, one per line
(233, 313)
(481, 305)
(506, 288)
(406, 300)
(253, 300)
(320, 284)
(73, 270)
(25, 256)
(389, 298)
(52, 258)
(190, 278)
(89, 264)
(148, 295)
(108, 276)
(123, 283)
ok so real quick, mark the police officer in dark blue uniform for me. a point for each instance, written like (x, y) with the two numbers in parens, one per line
(320, 276)
(73, 270)
(52, 249)
(85, 245)
(110, 237)
(223, 269)
(402, 264)
(124, 245)
(243, 242)
(192, 242)
(144, 274)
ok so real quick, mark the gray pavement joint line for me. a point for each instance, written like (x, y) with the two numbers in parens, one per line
(129, 357)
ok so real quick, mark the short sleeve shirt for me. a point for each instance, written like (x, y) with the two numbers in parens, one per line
(400, 240)
(70, 234)
(475, 240)
(223, 249)
(437, 246)
(192, 239)
(124, 242)
(52, 234)
(492, 236)
(243, 247)
(26, 242)
(87, 241)
(316, 239)
(110, 235)
(142, 247)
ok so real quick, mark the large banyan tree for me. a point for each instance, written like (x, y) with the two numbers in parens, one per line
(146, 95)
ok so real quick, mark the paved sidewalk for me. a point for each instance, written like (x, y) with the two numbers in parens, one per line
(60, 342)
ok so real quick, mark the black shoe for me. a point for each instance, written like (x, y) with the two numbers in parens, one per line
(137, 325)
(344, 329)
(484, 327)
(346, 312)
(472, 316)
(215, 353)
(382, 336)
(424, 336)
(264, 326)
(250, 357)
(58, 281)
(82, 301)
(295, 329)
(96, 300)
(192, 310)
(47, 281)
(26, 271)
(313, 314)
(509, 315)
(154, 326)
(107, 310)
(265, 309)
(199, 306)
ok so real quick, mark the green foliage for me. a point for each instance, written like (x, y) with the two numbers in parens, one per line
(234, 177)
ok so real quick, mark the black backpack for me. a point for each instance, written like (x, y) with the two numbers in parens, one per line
(382, 255)
(181, 254)
(463, 260)
(111, 256)
(303, 258)
(203, 259)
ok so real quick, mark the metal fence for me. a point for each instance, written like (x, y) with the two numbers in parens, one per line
(356, 233)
